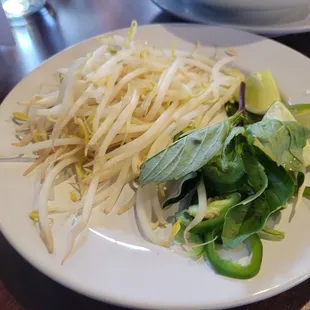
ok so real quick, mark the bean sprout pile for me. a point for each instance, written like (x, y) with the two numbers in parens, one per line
(113, 109)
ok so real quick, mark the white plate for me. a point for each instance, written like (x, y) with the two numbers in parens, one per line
(297, 21)
(115, 263)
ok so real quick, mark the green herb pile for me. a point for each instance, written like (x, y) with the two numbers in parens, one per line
(251, 168)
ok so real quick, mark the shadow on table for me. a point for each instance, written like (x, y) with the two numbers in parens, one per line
(35, 291)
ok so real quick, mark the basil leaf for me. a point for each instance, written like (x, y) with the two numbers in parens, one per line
(251, 215)
(285, 140)
(280, 183)
(225, 173)
(243, 220)
(231, 174)
(235, 229)
(186, 155)
(257, 177)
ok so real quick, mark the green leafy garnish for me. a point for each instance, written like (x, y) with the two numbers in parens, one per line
(225, 173)
(251, 168)
(274, 186)
(283, 140)
(186, 155)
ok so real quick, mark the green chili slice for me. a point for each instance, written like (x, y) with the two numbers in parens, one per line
(232, 269)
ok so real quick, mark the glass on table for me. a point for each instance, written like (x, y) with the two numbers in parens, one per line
(21, 8)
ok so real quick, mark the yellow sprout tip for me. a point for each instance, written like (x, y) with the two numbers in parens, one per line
(21, 116)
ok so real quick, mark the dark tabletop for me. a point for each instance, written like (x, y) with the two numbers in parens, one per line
(61, 24)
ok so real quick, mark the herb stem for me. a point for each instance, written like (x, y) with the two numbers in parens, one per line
(242, 98)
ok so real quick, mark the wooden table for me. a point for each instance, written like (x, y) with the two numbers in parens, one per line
(63, 23)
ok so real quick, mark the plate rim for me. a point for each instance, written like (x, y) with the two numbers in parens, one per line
(259, 296)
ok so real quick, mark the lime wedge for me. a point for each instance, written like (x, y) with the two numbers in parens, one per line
(261, 92)
(303, 118)
(302, 113)
(279, 111)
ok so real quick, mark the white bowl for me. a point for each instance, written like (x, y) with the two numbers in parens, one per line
(256, 11)
(256, 4)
